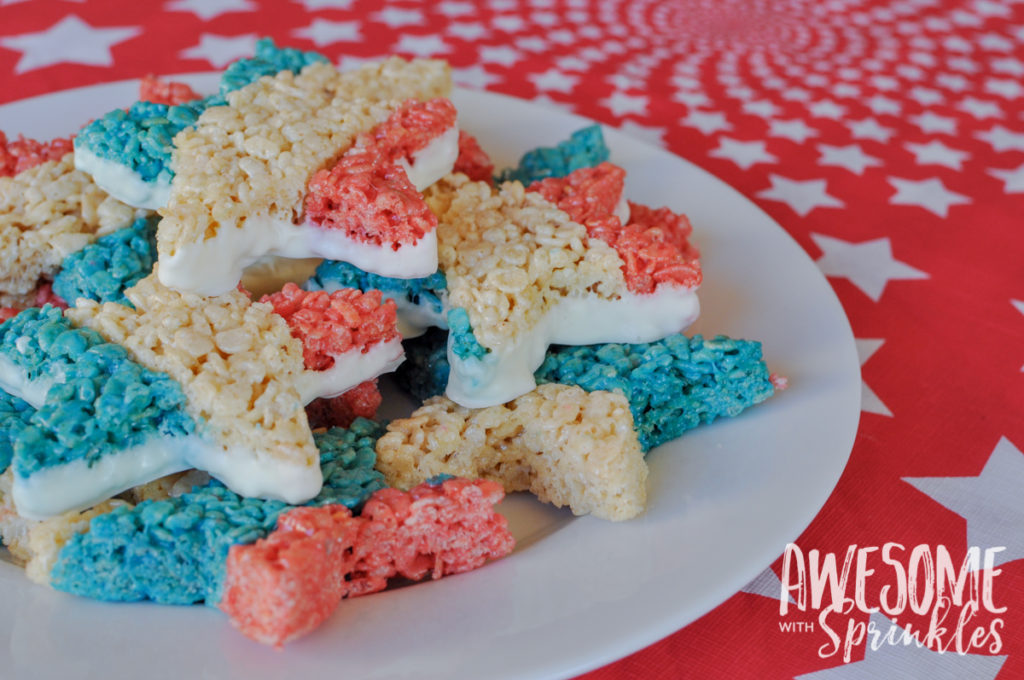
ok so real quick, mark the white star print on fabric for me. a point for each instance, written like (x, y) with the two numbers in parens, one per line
(706, 122)
(802, 196)
(221, 50)
(421, 45)
(851, 157)
(846, 90)
(869, 265)
(532, 43)
(649, 134)
(1007, 88)
(571, 63)
(691, 99)
(796, 130)
(741, 93)
(827, 108)
(887, 83)
(743, 154)
(1002, 139)
(963, 64)
(553, 80)
(767, 584)
(952, 81)
(991, 9)
(208, 9)
(456, 9)
(990, 502)
(926, 96)
(562, 36)
(396, 17)
(508, 23)
(313, 5)
(476, 77)
(980, 108)
(869, 401)
(620, 103)
(937, 153)
(909, 661)
(930, 194)
(880, 105)
(1015, 67)
(930, 122)
(761, 107)
(504, 55)
(323, 32)
(622, 81)
(70, 40)
(1013, 180)
(468, 31)
(868, 128)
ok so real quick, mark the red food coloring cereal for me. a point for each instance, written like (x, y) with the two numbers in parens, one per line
(158, 91)
(371, 200)
(654, 246)
(588, 195)
(284, 586)
(779, 382)
(411, 128)
(287, 584)
(7, 313)
(367, 193)
(362, 401)
(331, 324)
(21, 154)
(473, 161)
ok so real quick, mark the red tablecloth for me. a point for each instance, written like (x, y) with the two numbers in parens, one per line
(886, 137)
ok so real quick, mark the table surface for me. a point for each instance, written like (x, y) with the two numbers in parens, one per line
(886, 137)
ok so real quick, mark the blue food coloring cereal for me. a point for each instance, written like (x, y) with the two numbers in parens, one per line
(105, 404)
(14, 417)
(42, 343)
(174, 551)
(103, 270)
(426, 292)
(585, 148)
(268, 60)
(673, 385)
(141, 138)
(464, 342)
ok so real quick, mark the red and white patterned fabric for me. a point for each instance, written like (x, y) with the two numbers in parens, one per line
(886, 137)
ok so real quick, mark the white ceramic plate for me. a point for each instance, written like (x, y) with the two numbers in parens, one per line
(578, 592)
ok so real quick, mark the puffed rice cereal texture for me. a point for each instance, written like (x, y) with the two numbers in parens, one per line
(172, 549)
(510, 256)
(284, 586)
(673, 385)
(34, 544)
(255, 156)
(46, 213)
(235, 359)
(566, 446)
(104, 269)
